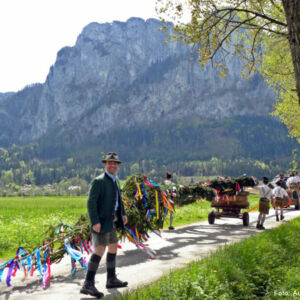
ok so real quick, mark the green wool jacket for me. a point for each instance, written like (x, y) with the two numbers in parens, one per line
(101, 203)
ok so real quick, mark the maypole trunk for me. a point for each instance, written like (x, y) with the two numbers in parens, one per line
(292, 12)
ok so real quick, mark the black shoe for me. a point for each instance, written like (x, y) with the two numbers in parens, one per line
(257, 226)
(277, 218)
(90, 289)
(281, 217)
(261, 227)
(114, 282)
(171, 228)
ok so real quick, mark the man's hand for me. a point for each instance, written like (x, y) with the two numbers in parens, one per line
(125, 220)
(97, 227)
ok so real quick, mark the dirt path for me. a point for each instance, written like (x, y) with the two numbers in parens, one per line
(174, 250)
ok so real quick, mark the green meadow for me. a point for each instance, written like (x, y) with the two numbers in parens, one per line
(23, 220)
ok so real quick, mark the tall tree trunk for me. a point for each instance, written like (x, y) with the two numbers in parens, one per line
(292, 12)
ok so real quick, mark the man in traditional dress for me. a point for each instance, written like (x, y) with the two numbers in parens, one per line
(282, 181)
(297, 177)
(106, 213)
(169, 181)
(293, 184)
(280, 197)
(264, 194)
(291, 180)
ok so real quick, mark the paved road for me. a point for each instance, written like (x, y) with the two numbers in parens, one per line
(175, 249)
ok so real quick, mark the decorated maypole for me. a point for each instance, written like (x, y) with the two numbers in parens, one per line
(147, 206)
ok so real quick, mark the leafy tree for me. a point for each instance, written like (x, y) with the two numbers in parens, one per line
(294, 164)
(29, 177)
(264, 33)
(135, 168)
(7, 177)
(277, 70)
(70, 161)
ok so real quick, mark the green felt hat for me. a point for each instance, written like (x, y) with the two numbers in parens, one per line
(111, 156)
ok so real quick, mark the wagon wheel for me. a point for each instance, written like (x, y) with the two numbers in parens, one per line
(211, 217)
(245, 219)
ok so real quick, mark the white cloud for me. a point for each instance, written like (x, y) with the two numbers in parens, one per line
(33, 31)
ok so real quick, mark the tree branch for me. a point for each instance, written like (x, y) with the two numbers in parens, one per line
(226, 36)
(257, 14)
(255, 25)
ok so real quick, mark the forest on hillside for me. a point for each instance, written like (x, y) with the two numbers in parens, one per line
(256, 146)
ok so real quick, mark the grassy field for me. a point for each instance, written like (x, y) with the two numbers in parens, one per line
(264, 266)
(24, 220)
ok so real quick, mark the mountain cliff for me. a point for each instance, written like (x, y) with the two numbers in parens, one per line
(124, 75)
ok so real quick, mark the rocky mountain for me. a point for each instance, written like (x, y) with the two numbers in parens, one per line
(124, 75)
(5, 95)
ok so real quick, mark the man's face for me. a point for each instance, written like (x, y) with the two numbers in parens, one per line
(112, 167)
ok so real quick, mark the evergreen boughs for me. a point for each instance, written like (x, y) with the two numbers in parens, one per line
(230, 186)
(190, 193)
(207, 190)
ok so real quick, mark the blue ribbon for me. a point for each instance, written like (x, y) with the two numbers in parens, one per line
(29, 262)
(3, 266)
(9, 273)
(152, 182)
(1, 272)
(75, 255)
(145, 202)
(23, 252)
(62, 225)
(155, 231)
(45, 262)
(133, 235)
(38, 260)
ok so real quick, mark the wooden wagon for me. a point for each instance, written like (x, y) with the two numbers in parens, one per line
(230, 207)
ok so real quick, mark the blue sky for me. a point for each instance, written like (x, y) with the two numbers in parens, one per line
(33, 31)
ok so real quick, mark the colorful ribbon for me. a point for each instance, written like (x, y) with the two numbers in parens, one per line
(75, 254)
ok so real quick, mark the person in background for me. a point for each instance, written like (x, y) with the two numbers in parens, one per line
(169, 181)
(265, 193)
(295, 194)
(297, 179)
(293, 183)
(282, 181)
(106, 213)
(279, 195)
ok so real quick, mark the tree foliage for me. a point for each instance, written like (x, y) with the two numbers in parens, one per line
(277, 70)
